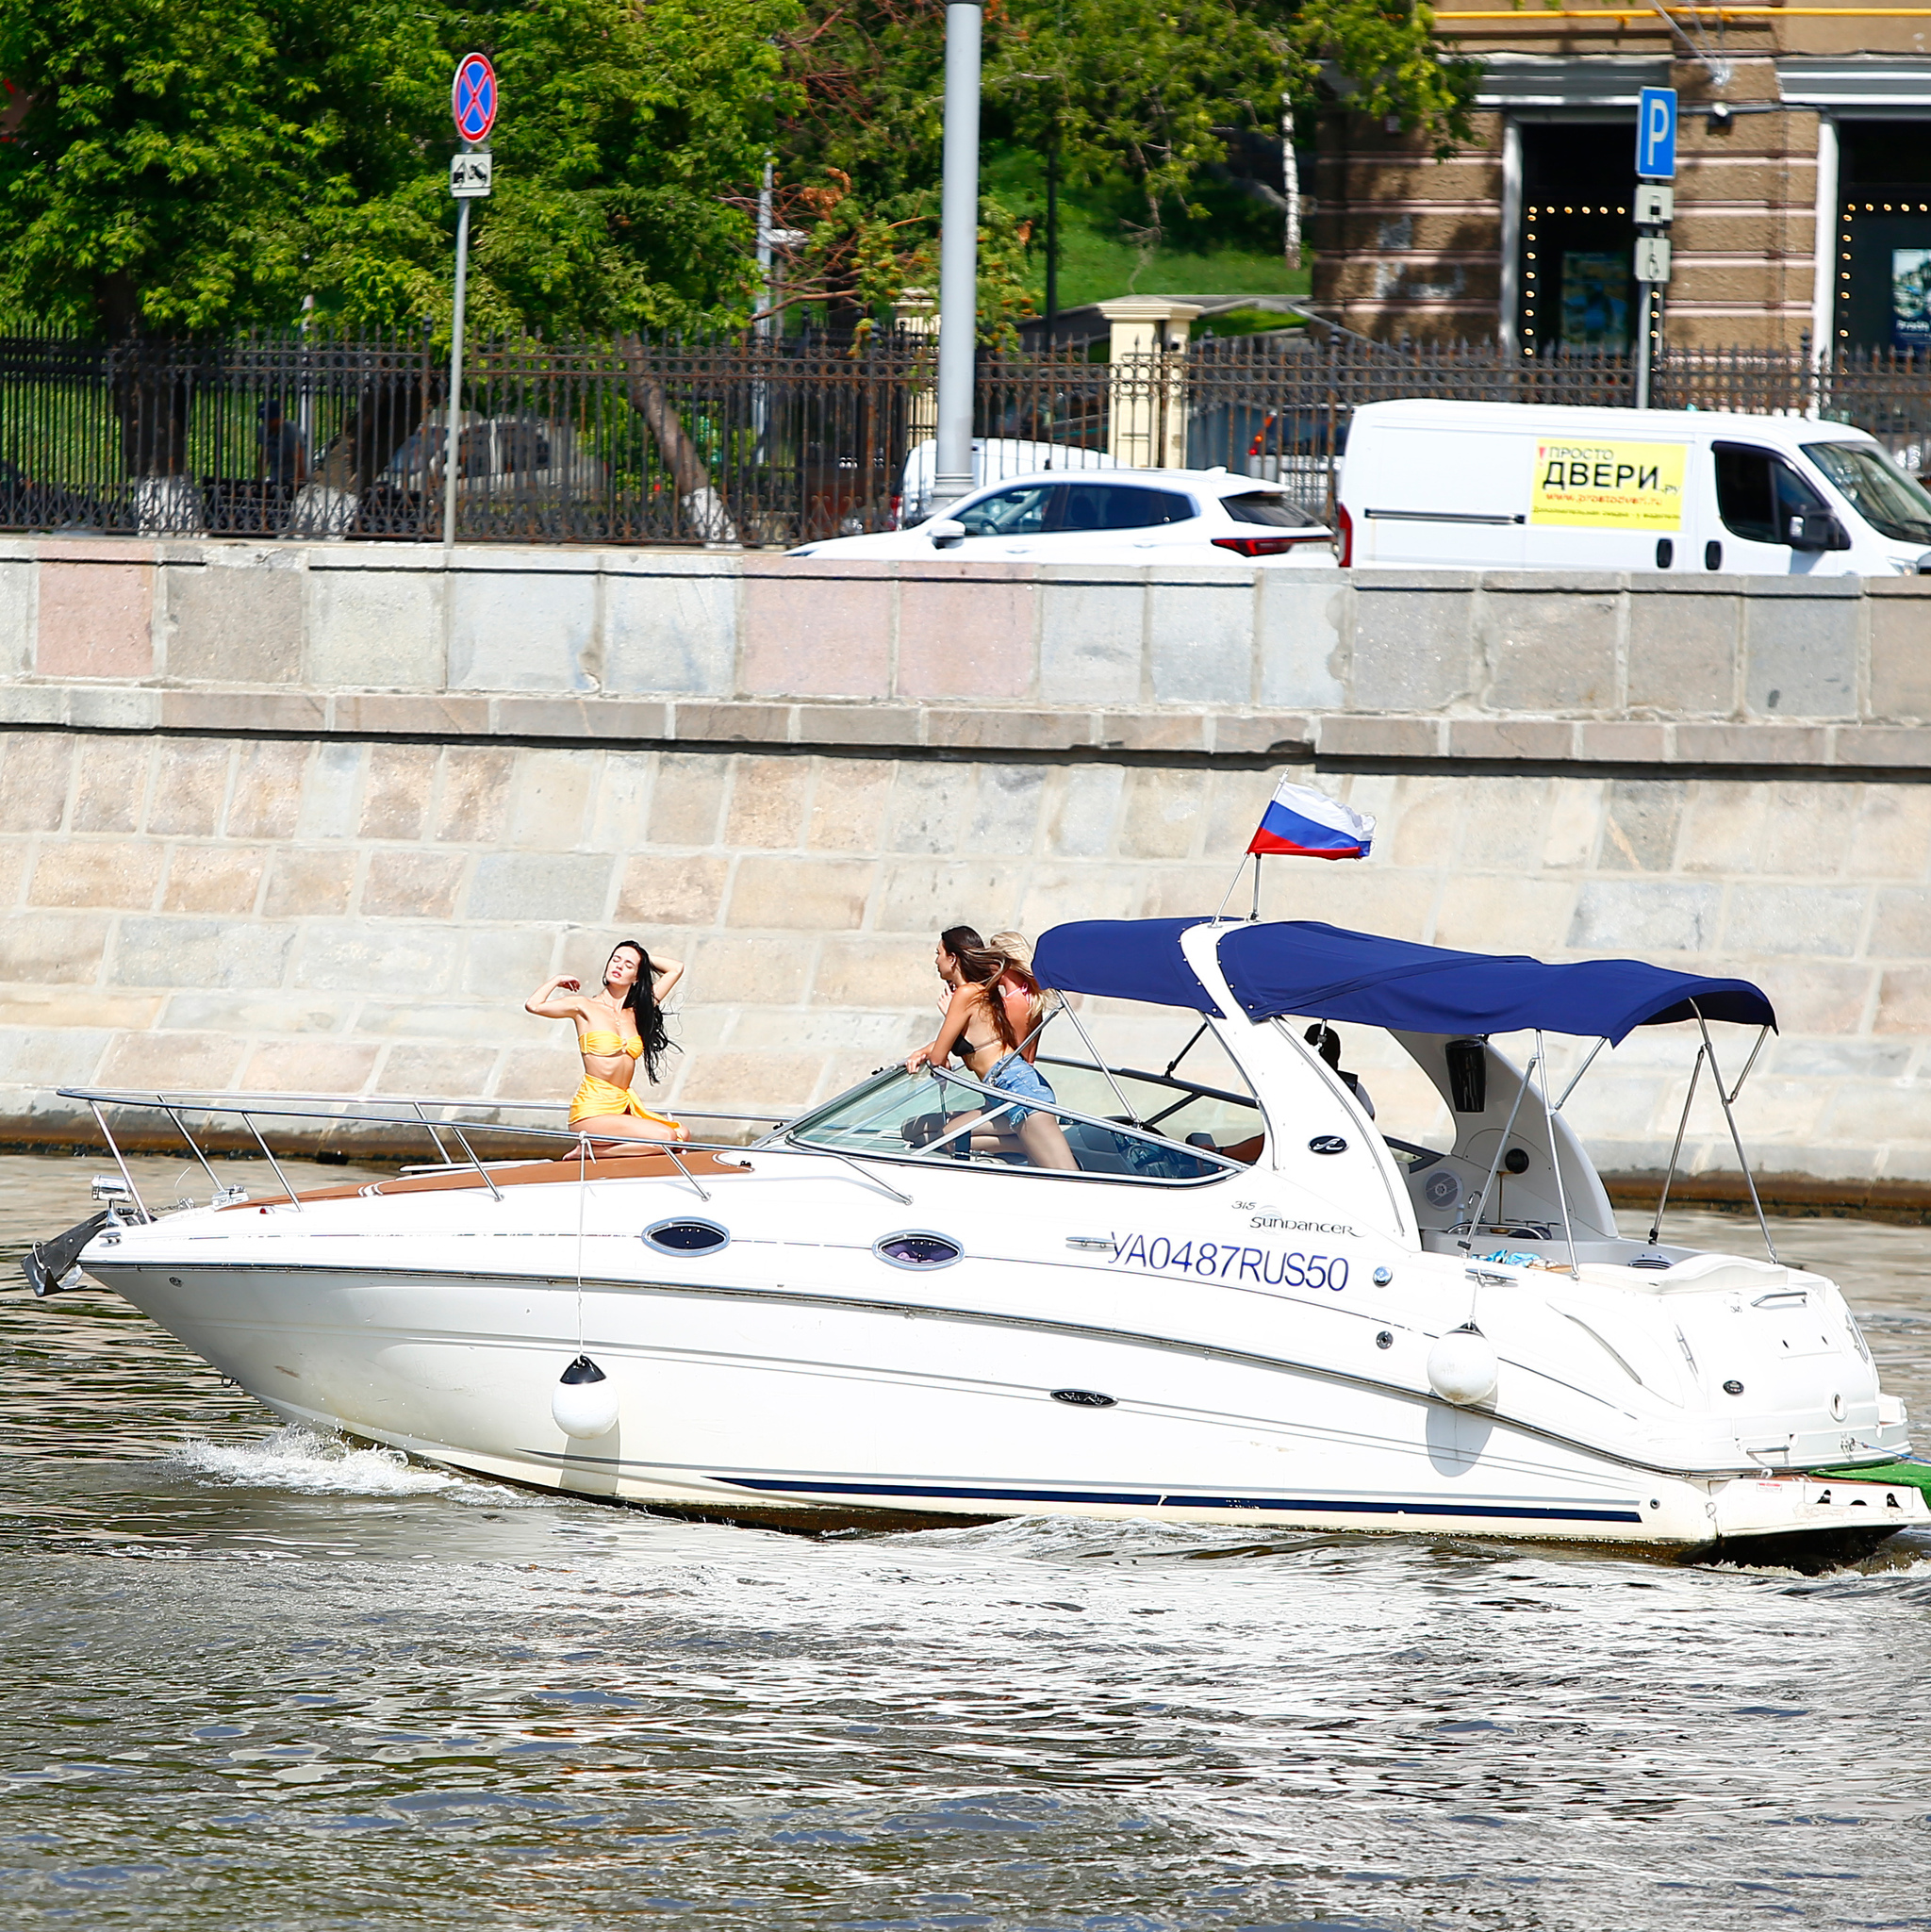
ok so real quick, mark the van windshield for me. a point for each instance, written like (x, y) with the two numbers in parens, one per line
(1878, 491)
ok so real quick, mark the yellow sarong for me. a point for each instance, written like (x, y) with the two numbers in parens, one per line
(596, 1098)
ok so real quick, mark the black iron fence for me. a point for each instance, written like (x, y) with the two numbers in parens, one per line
(735, 441)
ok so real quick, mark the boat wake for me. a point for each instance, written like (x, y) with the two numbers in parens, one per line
(1074, 1539)
(310, 1463)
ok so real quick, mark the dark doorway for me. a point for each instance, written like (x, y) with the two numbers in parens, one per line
(1884, 235)
(1578, 242)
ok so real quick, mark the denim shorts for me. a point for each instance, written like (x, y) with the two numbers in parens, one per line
(1016, 1074)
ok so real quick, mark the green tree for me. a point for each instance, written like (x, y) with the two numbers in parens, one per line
(184, 164)
(1139, 97)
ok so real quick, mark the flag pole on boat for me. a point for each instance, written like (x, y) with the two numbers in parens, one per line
(1302, 823)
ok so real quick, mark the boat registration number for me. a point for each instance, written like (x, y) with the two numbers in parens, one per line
(1227, 1260)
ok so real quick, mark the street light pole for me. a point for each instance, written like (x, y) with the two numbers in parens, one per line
(958, 254)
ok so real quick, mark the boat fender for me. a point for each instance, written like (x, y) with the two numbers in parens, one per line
(1463, 1367)
(584, 1401)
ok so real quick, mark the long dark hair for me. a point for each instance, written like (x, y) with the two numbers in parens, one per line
(641, 1002)
(984, 966)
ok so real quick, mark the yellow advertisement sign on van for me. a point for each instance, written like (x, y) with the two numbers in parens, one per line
(1596, 486)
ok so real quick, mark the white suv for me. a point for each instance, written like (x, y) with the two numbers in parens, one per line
(1118, 517)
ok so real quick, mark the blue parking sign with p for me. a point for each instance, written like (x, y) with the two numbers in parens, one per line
(1656, 134)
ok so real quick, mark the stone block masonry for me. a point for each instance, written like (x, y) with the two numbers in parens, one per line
(318, 820)
(632, 647)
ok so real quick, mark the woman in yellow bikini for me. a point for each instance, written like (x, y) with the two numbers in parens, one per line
(617, 1027)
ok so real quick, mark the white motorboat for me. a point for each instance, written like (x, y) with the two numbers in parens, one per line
(1246, 1306)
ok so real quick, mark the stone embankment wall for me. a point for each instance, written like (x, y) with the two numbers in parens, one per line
(317, 818)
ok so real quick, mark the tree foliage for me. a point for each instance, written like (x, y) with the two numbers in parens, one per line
(184, 164)
(1136, 94)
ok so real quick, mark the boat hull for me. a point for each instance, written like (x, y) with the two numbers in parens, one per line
(811, 1409)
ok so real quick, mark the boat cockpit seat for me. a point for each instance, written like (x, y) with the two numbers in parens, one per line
(1246, 1151)
(1094, 1149)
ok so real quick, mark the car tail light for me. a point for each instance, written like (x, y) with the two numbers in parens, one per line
(897, 513)
(1347, 523)
(1268, 546)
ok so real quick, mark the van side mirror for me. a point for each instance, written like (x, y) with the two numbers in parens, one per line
(1817, 530)
(945, 531)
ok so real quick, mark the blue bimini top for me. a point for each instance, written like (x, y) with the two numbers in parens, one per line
(1304, 967)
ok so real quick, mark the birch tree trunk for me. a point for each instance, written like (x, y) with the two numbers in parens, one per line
(703, 508)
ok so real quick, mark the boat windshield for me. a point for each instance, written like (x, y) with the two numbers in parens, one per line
(934, 1116)
(1181, 1110)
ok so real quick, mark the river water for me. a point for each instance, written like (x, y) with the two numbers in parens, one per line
(252, 1677)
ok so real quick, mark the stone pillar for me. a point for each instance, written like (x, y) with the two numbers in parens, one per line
(1147, 414)
(919, 317)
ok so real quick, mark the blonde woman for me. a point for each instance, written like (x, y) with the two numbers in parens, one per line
(616, 1028)
(1042, 1003)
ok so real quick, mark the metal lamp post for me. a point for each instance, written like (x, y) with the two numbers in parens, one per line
(958, 254)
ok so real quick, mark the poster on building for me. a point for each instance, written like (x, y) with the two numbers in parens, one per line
(1596, 301)
(1592, 486)
(1910, 298)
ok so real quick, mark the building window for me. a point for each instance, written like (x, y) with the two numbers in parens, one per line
(1578, 291)
(1884, 235)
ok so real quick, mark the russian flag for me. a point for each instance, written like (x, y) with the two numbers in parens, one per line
(1308, 824)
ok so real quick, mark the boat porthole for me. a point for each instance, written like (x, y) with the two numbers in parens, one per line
(686, 1236)
(1384, 1340)
(1383, 1276)
(1084, 1398)
(1655, 1502)
(1733, 1388)
(1328, 1144)
(173, 1280)
(1837, 1408)
(914, 1247)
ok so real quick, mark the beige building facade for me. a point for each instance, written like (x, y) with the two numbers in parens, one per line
(1803, 185)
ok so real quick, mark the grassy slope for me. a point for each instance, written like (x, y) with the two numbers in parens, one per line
(1227, 254)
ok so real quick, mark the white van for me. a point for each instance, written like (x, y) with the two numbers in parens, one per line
(1486, 486)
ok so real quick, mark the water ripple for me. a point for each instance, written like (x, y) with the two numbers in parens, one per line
(258, 1675)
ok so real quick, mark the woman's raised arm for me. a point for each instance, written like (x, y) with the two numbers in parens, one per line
(664, 974)
(555, 998)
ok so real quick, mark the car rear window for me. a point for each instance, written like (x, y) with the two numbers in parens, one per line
(1262, 506)
(1120, 507)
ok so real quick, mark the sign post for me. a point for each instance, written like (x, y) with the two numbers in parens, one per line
(472, 102)
(1656, 207)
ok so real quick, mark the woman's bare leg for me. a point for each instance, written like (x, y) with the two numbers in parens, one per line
(623, 1127)
(1044, 1142)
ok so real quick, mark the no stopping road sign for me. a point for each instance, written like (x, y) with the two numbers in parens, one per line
(472, 96)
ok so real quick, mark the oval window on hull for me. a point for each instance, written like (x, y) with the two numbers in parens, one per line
(917, 1249)
(686, 1238)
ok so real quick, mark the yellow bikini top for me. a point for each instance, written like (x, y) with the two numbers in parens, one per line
(611, 1042)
